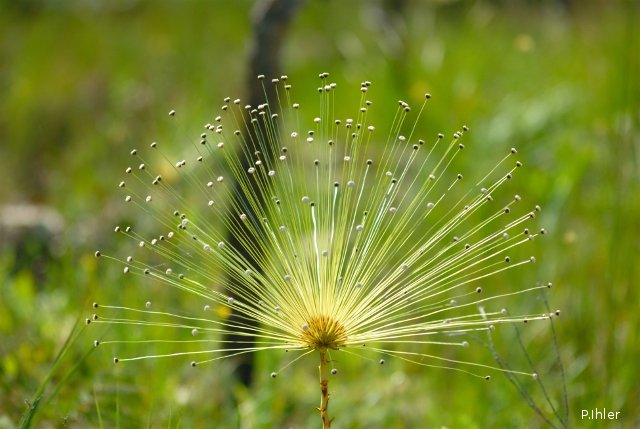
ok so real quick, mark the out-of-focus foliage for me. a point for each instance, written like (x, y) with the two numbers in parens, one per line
(83, 81)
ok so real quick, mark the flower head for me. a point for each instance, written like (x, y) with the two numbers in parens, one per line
(324, 235)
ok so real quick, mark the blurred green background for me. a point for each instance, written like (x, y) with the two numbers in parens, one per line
(83, 81)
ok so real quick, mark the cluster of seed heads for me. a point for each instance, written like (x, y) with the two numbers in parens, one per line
(324, 235)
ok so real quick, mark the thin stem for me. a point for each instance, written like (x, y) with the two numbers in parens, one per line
(324, 390)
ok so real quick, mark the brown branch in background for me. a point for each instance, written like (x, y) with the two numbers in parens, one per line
(271, 19)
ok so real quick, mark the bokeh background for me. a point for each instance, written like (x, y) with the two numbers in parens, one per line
(83, 81)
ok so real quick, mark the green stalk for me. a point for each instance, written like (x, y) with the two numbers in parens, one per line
(27, 418)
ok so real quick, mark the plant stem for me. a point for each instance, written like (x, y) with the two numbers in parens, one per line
(324, 390)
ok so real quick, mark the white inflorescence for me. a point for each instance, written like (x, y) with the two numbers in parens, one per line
(324, 235)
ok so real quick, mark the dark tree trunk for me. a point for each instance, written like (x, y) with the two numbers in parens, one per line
(271, 19)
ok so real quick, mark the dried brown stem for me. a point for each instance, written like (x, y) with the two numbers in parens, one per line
(324, 389)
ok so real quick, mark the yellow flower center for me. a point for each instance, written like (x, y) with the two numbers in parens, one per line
(323, 332)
